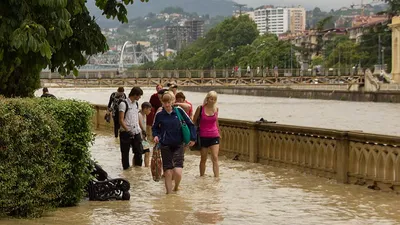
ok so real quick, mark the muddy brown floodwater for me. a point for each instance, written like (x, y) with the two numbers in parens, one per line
(246, 193)
(371, 117)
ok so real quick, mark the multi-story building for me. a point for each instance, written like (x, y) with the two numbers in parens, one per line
(280, 20)
(362, 23)
(297, 20)
(196, 29)
(272, 20)
(177, 37)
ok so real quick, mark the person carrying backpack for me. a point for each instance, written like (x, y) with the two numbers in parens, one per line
(130, 132)
(113, 103)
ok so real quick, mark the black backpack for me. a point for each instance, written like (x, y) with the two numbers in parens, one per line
(126, 106)
(116, 102)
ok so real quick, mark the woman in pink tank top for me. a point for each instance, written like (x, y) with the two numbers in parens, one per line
(207, 118)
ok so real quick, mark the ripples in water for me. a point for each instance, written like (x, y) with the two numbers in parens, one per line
(371, 117)
(246, 193)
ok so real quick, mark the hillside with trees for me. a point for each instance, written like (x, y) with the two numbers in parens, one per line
(151, 26)
(140, 9)
(234, 42)
(344, 13)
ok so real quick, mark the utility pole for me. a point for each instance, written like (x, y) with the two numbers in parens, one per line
(240, 7)
(379, 51)
(291, 58)
(339, 62)
(383, 58)
(266, 21)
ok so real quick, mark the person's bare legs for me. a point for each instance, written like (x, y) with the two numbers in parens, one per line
(203, 160)
(147, 159)
(177, 177)
(168, 181)
(214, 159)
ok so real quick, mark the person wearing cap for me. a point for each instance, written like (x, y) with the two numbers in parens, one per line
(46, 93)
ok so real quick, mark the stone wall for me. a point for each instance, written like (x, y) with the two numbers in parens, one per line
(379, 96)
(347, 157)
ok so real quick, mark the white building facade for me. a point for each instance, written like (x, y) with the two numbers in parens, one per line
(280, 20)
(272, 20)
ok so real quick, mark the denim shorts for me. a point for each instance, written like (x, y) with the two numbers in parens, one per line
(208, 142)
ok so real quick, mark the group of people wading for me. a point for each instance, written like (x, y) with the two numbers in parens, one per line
(163, 117)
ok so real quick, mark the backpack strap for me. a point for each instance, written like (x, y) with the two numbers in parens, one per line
(199, 117)
(126, 105)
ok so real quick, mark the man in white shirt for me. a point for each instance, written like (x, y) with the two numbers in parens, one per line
(130, 130)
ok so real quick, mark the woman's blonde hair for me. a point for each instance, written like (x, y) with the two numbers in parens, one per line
(168, 96)
(211, 94)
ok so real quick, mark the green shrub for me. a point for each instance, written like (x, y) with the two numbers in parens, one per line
(31, 168)
(44, 154)
(75, 119)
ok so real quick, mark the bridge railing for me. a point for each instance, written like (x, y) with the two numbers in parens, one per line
(345, 156)
(224, 73)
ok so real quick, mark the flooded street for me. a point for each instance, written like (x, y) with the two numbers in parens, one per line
(245, 194)
(370, 117)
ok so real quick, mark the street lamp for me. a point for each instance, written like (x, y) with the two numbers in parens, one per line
(383, 59)
(262, 44)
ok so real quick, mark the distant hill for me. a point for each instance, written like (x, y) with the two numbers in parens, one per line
(138, 8)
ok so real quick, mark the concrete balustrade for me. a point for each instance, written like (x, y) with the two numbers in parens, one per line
(345, 156)
(217, 73)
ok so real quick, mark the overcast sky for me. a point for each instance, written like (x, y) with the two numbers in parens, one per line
(308, 4)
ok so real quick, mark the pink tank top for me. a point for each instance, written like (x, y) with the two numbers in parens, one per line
(208, 125)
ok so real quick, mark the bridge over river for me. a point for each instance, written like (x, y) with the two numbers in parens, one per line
(257, 193)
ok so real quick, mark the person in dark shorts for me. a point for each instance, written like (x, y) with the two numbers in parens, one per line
(167, 131)
(209, 132)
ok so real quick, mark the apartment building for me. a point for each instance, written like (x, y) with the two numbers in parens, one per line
(297, 20)
(280, 20)
(272, 20)
(196, 29)
(178, 37)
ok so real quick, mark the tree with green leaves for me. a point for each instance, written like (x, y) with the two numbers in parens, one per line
(54, 34)
(345, 54)
(321, 25)
(394, 8)
(377, 36)
(222, 46)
